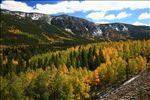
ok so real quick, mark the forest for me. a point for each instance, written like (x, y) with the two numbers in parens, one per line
(70, 73)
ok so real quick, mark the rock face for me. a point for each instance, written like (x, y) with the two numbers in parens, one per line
(86, 28)
(122, 30)
(113, 30)
(137, 89)
(77, 25)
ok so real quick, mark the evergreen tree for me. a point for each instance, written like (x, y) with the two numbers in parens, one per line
(90, 59)
(84, 59)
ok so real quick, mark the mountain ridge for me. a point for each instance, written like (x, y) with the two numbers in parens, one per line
(5, 10)
(65, 28)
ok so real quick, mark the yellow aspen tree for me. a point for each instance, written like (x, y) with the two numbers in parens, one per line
(142, 62)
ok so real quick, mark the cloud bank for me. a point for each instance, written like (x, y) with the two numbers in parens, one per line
(16, 6)
(144, 16)
(103, 16)
(75, 6)
(140, 24)
(97, 10)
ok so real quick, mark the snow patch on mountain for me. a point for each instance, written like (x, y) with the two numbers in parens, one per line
(59, 18)
(117, 29)
(22, 14)
(98, 33)
(68, 30)
(124, 28)
(86, 29)
(35, 16)
(49, 20)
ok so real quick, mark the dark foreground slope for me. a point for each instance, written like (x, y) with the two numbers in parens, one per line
(137, 88)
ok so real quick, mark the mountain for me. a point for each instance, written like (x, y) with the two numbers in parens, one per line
(112, 30)
(32, 28)
(121, 30)
(77, 25)
(26, 28)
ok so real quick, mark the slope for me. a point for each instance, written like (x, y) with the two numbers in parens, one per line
(16, 30)
(137, 88)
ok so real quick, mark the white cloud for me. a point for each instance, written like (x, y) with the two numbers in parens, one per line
(102, 22)
(140, 24)
(16, 6)
(75, 6)
(96, 15)
(61, 7)
(110, 17)
(113, 5)
(144, 16)
(123, 15)
(103, 16)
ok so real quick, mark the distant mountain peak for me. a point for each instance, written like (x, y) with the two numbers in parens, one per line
(83, 27)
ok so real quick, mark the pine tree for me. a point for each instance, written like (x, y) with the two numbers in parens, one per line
(90, 59)
(101, 56)
(84, 60)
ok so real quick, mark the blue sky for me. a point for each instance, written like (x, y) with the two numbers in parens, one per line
(132, 12)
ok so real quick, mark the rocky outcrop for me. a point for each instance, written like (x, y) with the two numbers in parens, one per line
(137, 88)
(77, 25)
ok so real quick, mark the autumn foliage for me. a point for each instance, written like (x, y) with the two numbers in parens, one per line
(70, 74)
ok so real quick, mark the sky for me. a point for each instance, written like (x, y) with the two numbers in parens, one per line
(130, 12)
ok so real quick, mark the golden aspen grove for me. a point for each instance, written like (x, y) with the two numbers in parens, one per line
(73, 73)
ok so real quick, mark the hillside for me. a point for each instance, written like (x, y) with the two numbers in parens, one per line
(124, 31)
(34, 28)
(73, 73)
(18, 30)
